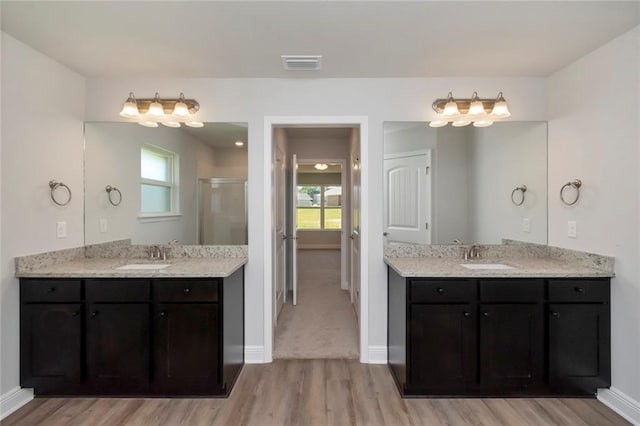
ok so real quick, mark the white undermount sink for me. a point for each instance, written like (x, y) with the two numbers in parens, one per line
(486, 266)
(143, 266)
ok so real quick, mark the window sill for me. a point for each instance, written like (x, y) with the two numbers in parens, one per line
(163, 217)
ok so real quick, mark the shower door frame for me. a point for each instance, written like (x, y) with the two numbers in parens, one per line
(200, 206)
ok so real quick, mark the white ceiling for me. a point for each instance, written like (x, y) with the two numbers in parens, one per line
(192, 39)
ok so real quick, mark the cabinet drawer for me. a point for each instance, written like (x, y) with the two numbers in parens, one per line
(119, 290)
(512, 290)
(185, 290)
(442, 290)
(595, 291)
(50, 290)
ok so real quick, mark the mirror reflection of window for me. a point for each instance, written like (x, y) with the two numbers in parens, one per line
(158, 168)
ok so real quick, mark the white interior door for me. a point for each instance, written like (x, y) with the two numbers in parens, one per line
(293, 239)
(280, 237)
(407, 198)
(355, 231)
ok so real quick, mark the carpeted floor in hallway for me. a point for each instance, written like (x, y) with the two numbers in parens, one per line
(323, 323)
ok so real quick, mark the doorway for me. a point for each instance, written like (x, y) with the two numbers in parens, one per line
(328, 232)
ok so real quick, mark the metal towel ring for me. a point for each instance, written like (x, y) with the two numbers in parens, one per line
(53, 184)
(575, 184)
(522, 189)
(110, 189)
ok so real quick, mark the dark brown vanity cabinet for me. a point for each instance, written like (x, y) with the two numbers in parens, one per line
(132, 336)
(500, 337)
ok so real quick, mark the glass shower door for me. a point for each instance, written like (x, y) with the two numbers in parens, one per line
(223, 212)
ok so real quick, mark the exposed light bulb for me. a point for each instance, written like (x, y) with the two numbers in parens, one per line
(500, 108)
(130, 107)
(438, 123)
(194, 123)
(321, 166)
(155, 109)
(181, 109)
(148, 123)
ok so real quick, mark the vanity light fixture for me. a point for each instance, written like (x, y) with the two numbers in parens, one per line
(169, 112)
(462, 112)
(321, 166)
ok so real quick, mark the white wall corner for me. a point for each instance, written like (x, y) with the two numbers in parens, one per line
(621, 403)
(377, 354)
(254, 355)
(14, 399)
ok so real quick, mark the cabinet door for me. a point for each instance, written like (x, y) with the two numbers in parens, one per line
(118, 341)
(442, 347)
(579, 342)
(50, 348)
(511, 346)
(187, 349)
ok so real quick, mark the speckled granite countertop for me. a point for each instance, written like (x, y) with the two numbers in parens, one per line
(527, 267)
(106, 268)
(528, 261)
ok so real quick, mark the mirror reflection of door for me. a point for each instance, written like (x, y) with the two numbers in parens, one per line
(293, 238)
(354, 262)
(407, 196)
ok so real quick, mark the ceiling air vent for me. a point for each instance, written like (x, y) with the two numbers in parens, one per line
(301, 63)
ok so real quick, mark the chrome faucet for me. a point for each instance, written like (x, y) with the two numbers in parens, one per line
(472, 253)
(155, 252)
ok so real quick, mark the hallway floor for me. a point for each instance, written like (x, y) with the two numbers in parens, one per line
(323, 323)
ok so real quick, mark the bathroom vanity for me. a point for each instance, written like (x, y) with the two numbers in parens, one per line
(541, 328)
(89, 327)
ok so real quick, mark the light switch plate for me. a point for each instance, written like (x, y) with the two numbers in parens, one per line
(526, 224)
(61, 230)
(572, 229)
(103, 225)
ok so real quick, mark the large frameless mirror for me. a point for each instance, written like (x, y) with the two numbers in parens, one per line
(157, 185)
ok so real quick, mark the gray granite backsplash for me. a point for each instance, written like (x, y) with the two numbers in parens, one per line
(42, 260)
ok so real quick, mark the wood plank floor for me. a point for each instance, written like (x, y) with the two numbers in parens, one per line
(313, 392)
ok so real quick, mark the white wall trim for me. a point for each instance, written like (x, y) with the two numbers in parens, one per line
(621, 403)
(279, 121)
(377, 354)
(254, 355)
(14, 399)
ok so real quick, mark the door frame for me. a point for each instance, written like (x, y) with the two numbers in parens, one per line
(314, 121)
(344, 282)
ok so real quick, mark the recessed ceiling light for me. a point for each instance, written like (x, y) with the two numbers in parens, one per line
(239, 143)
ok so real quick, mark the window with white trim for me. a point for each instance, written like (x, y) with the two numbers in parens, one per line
(158, 181)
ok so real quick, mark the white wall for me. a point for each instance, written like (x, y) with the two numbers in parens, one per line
(229, 163)
(594, 136)
(453, 212)
(504, 156)
(250, 100)
(112, 157)
(42, 119)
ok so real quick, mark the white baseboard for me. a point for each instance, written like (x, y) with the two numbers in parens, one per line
(14, 399)
(319, 246)
(254, 354)
(377, 354)
(621, 403)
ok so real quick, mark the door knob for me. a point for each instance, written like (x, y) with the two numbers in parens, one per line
(284, 237)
